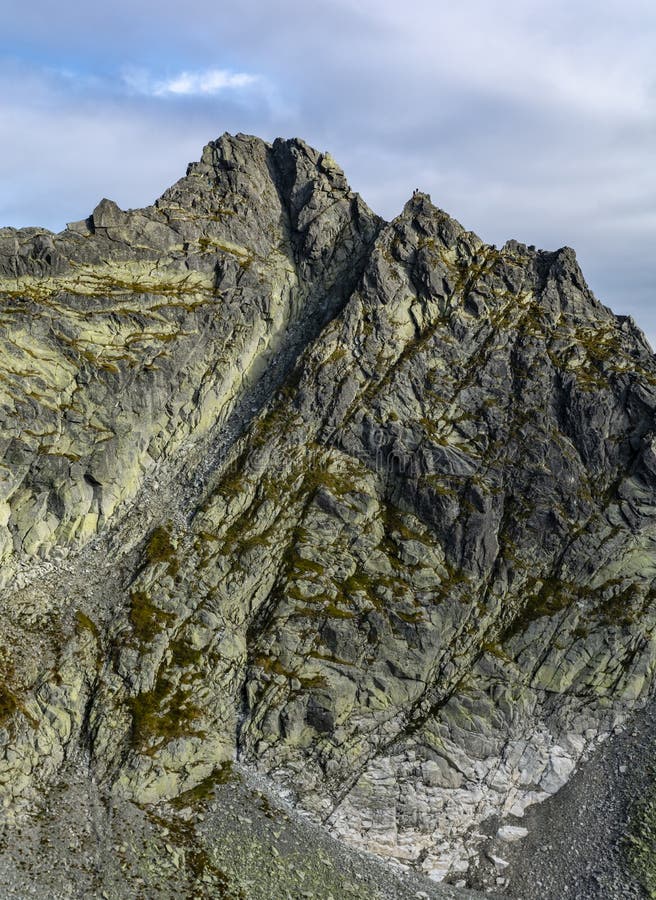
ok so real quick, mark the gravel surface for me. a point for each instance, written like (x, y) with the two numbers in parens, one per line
(227, 840)
(575, 848)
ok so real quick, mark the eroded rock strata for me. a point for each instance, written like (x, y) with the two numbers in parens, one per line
(368, 507)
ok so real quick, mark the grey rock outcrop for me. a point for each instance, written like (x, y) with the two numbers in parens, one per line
(369, 507)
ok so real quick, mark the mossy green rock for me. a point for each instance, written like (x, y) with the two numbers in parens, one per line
(369, 507)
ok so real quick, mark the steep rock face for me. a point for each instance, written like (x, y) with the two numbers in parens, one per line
(133, 331)
(410, 581)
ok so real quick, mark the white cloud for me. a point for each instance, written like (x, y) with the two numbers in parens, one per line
(73, 141)
(203, 83)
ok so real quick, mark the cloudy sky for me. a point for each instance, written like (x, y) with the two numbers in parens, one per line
(523, 118)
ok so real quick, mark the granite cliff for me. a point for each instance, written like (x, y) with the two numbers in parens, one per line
(360, 512)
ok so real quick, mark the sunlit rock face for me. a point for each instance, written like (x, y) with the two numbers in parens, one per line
(368, 507)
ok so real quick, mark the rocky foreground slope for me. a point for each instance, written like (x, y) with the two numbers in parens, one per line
(367, 508)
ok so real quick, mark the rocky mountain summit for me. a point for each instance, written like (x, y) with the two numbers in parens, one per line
(356, 516)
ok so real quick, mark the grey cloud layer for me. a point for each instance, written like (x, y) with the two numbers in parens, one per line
(530, 120)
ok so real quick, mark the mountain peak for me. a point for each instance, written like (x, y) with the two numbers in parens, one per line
(352, 513)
